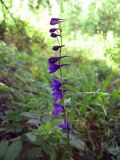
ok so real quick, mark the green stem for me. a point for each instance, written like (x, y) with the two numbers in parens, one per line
(65, 111)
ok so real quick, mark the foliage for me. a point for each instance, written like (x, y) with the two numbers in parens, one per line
(114, 52)
(28, 129)
(109, 15)
(103, 16)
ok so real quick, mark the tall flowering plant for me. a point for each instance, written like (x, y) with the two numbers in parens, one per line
(57, 85)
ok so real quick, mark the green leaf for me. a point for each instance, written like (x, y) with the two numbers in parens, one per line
(48, 126)
(31, 137)
(48, 149)
(34, 152)
(57, 122)
(3, 148)
(4, 87)
(31, 115)
(103, 104)
(115, 150)
(72, 115)
(13, 150)
(13, 115)
(46, 118)
(71, 88)
(34, 121)
(77, 143)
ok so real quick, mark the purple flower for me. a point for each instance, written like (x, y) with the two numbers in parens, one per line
(54, 67)
(53, 60)
(65, 126)
(54, 35)
(53, 30)
(55, 84)
(54, 21)
(58, 109)
(56, 48)
(57, 94)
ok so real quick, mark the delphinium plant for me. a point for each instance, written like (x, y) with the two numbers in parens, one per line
(57, 85)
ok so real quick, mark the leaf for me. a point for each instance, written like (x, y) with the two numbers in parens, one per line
(34, 152)
(3, 148)
(71, 88)
(77, 143)
(72, 115)
(4, 87)
(34, 121)
(106, 82)
(103, 104)
(46, 118)
(13, 150)
(49, 149)
(31, 115)
(47, 127)
(31, 136)
(13, 115)
(57, 122)
(115, 150)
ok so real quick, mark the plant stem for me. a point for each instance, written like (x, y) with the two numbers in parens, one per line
(65, 111)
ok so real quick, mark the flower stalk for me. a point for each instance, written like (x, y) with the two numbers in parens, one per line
(57, 85)
(65, 111)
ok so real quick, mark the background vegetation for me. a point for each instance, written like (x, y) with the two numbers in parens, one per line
(91, 34)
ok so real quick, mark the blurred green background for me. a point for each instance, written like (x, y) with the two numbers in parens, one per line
(91, 33)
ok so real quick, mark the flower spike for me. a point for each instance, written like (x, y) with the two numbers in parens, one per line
(57, 86)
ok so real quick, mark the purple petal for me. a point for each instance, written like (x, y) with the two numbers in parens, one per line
(58, 106)
(57, 94)
(55, 21)
(53, 60)
(54, 35)
(53, 68)
(55, 84)
(58, 109)
(53, 30)
(56, 48)
(64, 127)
